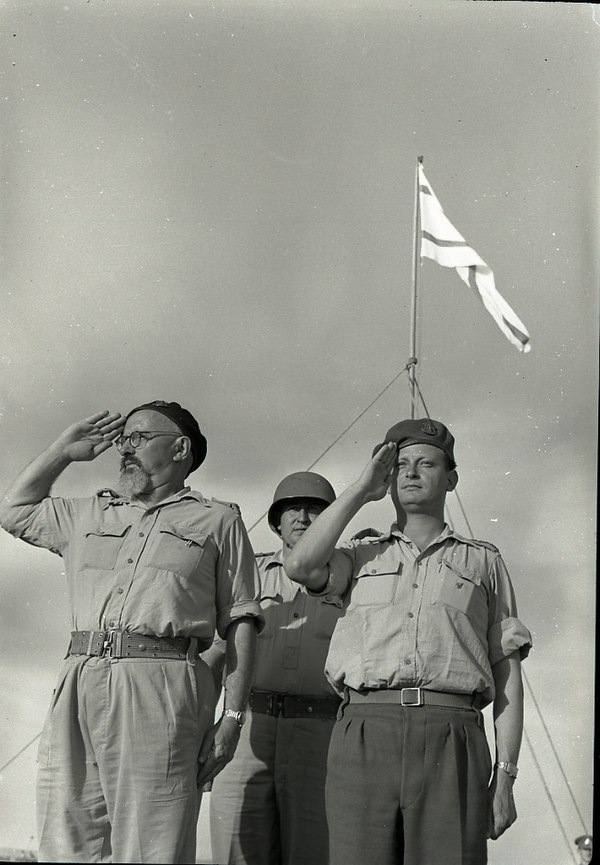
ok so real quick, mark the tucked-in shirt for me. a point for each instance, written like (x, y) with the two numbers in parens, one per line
(293, 645)
(439, 618)
(178, 568)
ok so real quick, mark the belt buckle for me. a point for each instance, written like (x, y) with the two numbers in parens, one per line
(406, 697)
(275, 705)
(108, 644)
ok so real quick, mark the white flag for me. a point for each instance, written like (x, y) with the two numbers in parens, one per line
(443, 243)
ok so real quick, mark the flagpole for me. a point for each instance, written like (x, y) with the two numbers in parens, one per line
(413, 322)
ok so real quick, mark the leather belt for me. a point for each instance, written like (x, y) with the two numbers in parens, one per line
(414, 697)
(121, 644)
(293, 706)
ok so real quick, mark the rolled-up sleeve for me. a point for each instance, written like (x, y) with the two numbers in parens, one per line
(47, 524)
(508, 636)
(507, 633)
(238, 586)
(340, 568)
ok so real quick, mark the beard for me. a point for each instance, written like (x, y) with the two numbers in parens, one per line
(133, 480)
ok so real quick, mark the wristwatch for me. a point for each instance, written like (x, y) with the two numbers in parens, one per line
(509, 768)
(240, 717)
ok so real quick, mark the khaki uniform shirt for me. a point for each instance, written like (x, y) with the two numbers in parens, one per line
(293, 645)
(179, 568)
(438, 619)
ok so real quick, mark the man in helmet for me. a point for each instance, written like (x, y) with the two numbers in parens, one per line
(152, 570)
(267, 805)
(429, 637)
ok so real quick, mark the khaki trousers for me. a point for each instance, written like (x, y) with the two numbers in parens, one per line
(267, 806)
(118, 761)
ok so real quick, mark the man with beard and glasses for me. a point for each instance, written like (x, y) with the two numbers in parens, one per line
(268, 805)
(430, 636)
(152, 571)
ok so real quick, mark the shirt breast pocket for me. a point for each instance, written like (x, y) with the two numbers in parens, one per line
(271, 605)
(178, 549)
(374, 586)
(102, 545)
(324, 616)
(460, 589)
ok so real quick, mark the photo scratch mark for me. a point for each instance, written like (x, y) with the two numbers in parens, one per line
(135, 64)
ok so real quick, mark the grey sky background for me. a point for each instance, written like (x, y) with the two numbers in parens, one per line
(214, 203)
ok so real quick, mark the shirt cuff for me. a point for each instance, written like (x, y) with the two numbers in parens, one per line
(508, 636)
(339, 574)
(240, 610)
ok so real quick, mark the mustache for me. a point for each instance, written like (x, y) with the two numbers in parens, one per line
(128, 461)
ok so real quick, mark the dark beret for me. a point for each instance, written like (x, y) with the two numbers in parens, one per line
(421, 431)
(186, 422)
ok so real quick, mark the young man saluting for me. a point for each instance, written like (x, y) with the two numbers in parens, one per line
(430, 636)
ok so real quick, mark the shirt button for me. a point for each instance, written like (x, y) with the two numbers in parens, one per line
(407, 660)
(296, 615)
(140, 534)
(111, 624)
(411, 615)
(129, 561)
(120, 590)
(415, 585)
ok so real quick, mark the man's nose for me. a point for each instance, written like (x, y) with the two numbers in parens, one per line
(411, 470)
(303, 515)
(126, 447)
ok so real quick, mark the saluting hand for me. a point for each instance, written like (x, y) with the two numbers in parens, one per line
(87, 439)
(377, 474)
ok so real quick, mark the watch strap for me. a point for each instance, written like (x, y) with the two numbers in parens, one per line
(240, 717)
(510, 768)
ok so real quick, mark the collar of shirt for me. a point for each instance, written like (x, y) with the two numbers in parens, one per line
(395, 532)
(274, 580)
(113, 499)
(270, 560)
(446, 534)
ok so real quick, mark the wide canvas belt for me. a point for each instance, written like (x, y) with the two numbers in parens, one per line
(293, 705)
(121, 644)
(413, 697)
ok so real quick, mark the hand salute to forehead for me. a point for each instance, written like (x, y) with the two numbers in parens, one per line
(86, 439)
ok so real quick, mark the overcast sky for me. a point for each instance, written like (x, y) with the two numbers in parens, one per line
(214, 203)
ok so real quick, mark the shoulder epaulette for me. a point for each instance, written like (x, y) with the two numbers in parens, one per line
(107, 492)
(369, 535)
(476, 543)
(231, 505)
(263, 555)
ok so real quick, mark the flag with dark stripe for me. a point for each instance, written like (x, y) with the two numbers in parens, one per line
(441, 242)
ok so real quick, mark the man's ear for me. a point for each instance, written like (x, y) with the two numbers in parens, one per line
(183, 448)
(452, 480)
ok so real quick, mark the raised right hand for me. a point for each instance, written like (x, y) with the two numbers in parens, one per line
(377, 474)
(87, 439)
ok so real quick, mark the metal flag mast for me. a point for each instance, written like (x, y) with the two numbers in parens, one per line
(412, 361)
(415, 392)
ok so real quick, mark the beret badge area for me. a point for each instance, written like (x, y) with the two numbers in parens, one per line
(429, 428)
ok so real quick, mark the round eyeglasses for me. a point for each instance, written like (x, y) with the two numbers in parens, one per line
(137, 439)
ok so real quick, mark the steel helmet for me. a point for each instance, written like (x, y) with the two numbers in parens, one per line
(300, 485)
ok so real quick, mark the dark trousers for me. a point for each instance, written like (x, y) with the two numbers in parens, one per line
(408, 786)
(268, 805)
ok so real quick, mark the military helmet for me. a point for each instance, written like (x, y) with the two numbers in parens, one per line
(299, 485)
